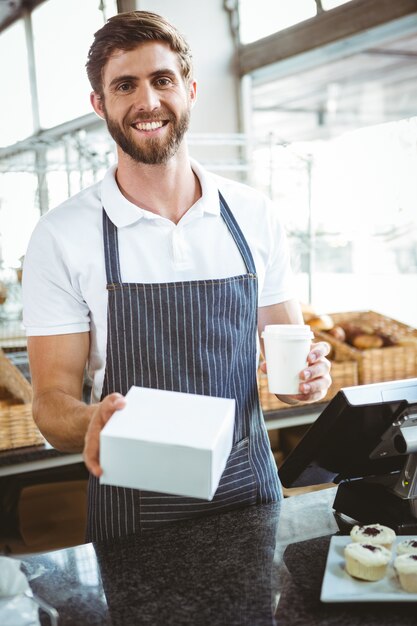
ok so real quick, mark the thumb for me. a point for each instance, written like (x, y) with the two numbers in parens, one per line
(109, 405)
(101, 416)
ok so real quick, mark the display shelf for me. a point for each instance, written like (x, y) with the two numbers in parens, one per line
(293, 416)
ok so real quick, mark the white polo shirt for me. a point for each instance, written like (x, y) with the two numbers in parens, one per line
(64, 278)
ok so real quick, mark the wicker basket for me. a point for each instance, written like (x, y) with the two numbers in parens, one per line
(17, 428)
(377, 364)
(344, 374)
(12, 382)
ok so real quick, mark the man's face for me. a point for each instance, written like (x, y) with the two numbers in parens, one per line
(146, 103)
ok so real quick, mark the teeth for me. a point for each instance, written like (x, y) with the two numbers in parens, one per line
(148, 125)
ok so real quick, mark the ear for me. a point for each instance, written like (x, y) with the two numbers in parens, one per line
(97, 104)
(192, 92)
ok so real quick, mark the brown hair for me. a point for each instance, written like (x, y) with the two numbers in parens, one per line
(125, 31)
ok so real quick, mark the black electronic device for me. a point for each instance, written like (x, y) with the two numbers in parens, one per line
(365, 440)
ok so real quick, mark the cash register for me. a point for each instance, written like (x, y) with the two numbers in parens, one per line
(365, 441)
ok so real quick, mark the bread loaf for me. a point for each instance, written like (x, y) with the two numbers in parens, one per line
(321, 322)
(367, 342)
(338, 333)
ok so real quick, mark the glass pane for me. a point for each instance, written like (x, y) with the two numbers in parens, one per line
(15, 101)
(80, 160)
(348, 205)
(18, 215)
(61, 54)
(260, 18)
(331, 4)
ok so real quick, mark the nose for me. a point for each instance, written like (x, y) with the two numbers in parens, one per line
(147, 98)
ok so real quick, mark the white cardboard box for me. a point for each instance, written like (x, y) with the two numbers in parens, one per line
(169, 442)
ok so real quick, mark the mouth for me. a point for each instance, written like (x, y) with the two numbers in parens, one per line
(149, 126)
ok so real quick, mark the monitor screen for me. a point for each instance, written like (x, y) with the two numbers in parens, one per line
(340, 443)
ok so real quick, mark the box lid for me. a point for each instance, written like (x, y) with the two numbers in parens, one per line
(171, 417)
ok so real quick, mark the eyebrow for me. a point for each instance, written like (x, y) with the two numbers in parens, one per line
(164, 72)
(118, 79)
(126, 77)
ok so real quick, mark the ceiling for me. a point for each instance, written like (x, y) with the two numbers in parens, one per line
(375, 85)
(11, 10)
(351, 67)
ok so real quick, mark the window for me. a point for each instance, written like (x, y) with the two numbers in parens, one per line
(15, 102)
(331, 4)
(260, 18)
(18, 213)
(348, 205)
(61, 54)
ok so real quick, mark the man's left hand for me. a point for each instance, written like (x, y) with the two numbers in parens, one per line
(315, 379)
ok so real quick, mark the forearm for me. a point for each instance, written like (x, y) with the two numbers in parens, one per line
(62, 419)
(57, 364)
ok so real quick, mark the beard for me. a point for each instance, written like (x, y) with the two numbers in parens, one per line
(154, 151)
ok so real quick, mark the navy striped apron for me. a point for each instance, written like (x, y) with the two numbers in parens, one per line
(197, 337)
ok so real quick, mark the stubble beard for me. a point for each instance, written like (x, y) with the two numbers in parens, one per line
(154, 151)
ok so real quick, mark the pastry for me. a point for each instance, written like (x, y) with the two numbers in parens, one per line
(367, 342)
(321, 322)
(408, 546)
(366, 561)
(338, 333)
(374, 534)
(406, 568)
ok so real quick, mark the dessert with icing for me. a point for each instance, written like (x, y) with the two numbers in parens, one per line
(366, 561)
(374, 534)
(408, 546)
(406, 568)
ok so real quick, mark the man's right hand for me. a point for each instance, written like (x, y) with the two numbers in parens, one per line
(101, 414)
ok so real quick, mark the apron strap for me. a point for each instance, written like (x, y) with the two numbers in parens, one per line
(237, 235)
(111, 251)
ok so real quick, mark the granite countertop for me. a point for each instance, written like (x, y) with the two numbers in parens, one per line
(262, 565)
(214, 571)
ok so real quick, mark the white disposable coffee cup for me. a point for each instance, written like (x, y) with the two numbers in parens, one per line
(286, 349)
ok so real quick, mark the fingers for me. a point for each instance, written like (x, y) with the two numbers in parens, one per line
(103, 412)
(92, 447)
(315, 379)
(109, 405)
(318, 351)
(317, 364)
(318, 370)
(315, 390)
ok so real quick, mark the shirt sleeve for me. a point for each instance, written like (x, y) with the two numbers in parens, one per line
(52, 301)
(279, 281)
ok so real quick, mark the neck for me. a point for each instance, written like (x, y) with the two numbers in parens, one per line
(168, 190)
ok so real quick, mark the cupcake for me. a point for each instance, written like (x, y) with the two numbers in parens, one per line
(408, 546)
(366, 561)
(374, 534)
(406, 568)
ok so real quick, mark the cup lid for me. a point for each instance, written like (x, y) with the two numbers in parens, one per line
(301, 331)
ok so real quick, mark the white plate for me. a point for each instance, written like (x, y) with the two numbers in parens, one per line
(338, 586)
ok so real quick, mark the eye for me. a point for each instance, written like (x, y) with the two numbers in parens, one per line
(124, 87)
(163, 82)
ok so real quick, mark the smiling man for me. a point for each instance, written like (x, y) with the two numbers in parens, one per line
(159, 276)
(153, 134)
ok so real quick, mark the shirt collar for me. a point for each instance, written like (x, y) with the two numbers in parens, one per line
(122, 212)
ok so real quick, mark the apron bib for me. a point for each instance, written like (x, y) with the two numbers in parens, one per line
(195, 337)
